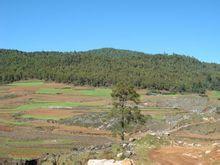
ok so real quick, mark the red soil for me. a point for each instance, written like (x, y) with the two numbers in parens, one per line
(6, 128)
(183, 156)
(55, 113)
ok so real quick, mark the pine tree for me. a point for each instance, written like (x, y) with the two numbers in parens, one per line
(125, 107)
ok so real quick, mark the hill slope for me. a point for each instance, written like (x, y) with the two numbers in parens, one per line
(107, 66)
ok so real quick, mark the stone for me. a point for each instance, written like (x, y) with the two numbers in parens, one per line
(207, 152)
(216, 144)
(127, 154)
(167, 133)
(108, 144)
(131, 139)
(130, 144)
(119, 155)
(92, 147)
(152, 133)
(198, 145)
(124, 145)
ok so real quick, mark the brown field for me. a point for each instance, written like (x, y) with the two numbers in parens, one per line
(185, 155)
(4, 128)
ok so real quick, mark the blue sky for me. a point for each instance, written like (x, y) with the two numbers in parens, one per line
(190, 27)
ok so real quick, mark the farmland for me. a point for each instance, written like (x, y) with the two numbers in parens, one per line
(29, 111)
(38, 118)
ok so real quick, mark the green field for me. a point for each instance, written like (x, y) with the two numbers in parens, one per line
(28, 83)
(102, 92)
(39, 105)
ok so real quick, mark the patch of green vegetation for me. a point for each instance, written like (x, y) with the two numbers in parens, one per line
(3, 155)
(104, 92)
(49, 91)
(116, 148)
(215, 94)
(30, 106)
(68, 90)
(158, 117)
(27, 83)
(16, 123)
(36, 105)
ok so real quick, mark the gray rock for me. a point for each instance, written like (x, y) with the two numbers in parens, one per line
(127, 154)
(119, 155)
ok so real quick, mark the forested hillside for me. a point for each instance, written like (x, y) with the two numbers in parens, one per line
(104, 67)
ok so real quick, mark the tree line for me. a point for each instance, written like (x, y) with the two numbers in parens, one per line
(107, 67)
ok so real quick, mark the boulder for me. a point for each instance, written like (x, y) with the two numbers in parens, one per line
(119, 155)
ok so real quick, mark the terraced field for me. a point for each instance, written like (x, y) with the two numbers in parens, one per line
(38, 117)
(29, 112)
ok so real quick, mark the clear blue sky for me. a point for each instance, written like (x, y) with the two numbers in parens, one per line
(190, 27)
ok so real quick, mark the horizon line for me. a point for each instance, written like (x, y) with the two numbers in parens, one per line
(92, 49)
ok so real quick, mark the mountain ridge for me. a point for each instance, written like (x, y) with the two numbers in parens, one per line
(109, 49)
(108, 66)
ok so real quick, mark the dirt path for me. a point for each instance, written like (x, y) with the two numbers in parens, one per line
(184, 156)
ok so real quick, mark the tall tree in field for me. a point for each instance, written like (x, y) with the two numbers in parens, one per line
(125, 107)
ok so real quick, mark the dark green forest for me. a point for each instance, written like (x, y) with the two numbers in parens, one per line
(107, 66)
